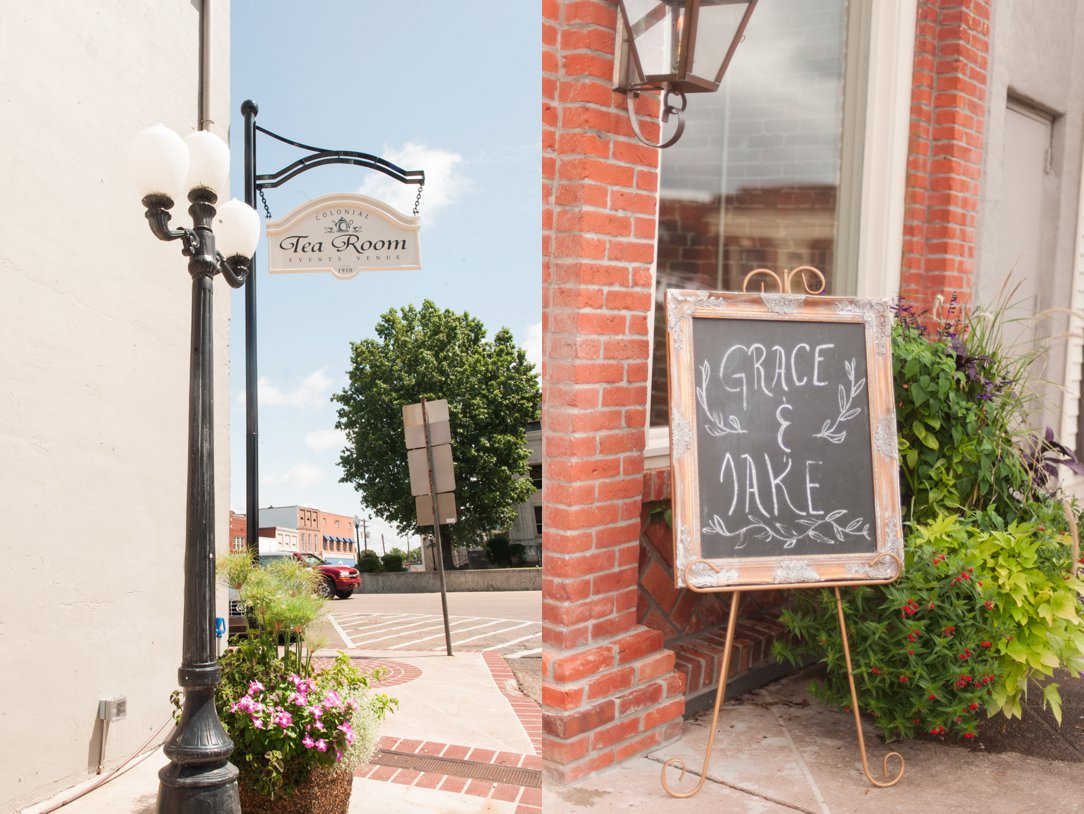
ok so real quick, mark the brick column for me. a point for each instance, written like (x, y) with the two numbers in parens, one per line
(609, 687)
(948, 110)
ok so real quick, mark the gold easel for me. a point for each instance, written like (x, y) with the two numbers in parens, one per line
(784, 284)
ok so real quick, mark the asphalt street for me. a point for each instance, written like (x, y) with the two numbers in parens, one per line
(508, 622)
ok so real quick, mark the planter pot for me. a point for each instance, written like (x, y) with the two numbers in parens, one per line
(325, 793)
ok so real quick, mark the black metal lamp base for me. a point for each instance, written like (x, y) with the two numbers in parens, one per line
(206, 789)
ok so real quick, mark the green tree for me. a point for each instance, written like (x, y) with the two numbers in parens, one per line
(492, 393)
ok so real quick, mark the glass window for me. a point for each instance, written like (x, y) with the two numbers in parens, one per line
(755, 181)
(538, 520)
(536, 475)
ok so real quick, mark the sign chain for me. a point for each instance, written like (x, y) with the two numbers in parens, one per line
(266, 208)
(418, 200)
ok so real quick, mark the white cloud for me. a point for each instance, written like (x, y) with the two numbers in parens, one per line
(444, 183)
(533, 345)
(296, 477)
(325, 440)
(315, 391)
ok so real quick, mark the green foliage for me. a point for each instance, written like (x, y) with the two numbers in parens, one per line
(1027, 567)
(516, 553)
(492, 392)
(957, 450)
(921, 649)
(987, 550)
(369, 562)
(414, 555)
(392, 562)
(285, 716)
(498, 550)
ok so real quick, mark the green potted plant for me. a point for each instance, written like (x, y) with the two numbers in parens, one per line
(299, 729)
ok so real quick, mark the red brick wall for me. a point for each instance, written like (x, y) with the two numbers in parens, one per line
(948, 108)
(238, 528)
(609, 689)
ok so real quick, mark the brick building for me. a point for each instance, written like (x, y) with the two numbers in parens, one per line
(238, 531)
(337, 536)
(917, 147)
(327, 535)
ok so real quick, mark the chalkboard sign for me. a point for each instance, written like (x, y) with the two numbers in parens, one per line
(782, 441)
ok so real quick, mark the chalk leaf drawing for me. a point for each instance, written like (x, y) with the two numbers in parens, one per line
(820, 530)
(830, 431)
(720, 424)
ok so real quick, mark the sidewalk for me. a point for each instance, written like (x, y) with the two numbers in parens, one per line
(778, 752)
(464, 740)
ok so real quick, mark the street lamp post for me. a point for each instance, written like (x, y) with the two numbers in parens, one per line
(199, 776)
(357, 537)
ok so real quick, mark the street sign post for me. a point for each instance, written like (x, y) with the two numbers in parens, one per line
(432, 478)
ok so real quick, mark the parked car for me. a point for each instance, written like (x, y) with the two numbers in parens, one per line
(337, 580)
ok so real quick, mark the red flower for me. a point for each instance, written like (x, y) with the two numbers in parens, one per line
(910, 652)
(932, 697)
(973, 707)
(969, 735)
(990, 605)
(986, 644)
(875, 671)
(904, 679)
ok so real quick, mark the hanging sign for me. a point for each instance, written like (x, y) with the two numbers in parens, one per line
(343, 233)
(783, 440)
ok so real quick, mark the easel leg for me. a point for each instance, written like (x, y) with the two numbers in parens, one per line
(731, 624)
(854, 708)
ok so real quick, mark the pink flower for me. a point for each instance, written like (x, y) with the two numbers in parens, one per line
(321, 745)
(316, 711)
(257, 723)
(332, 699)
(308, 742)
(282, 718)
(297, 698)
(254, 687)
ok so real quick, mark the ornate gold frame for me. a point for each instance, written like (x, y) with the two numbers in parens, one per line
(746, 573)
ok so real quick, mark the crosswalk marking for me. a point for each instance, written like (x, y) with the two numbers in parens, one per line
(407, 631)
(514, 641)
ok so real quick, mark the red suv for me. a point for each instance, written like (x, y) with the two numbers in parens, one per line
(338, 580)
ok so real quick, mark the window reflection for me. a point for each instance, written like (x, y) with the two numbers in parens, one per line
(754, 180)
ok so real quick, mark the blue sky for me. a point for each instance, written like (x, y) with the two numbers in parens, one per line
(449, 88)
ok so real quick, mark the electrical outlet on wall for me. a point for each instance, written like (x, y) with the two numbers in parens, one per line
(113, 709)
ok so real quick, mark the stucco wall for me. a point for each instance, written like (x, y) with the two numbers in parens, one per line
(94, 338)
(1034, 59)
